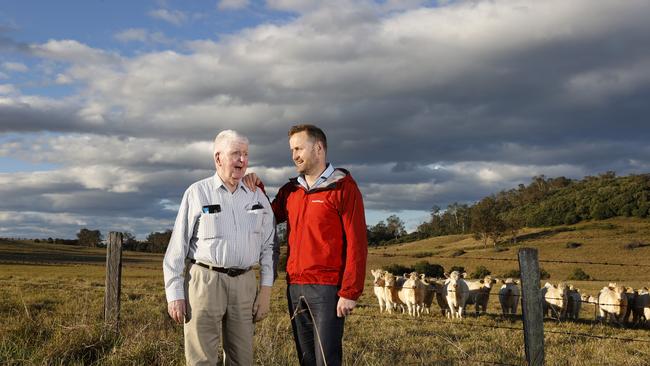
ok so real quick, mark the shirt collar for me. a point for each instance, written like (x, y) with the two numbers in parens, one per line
(323, 177)
(219, 183)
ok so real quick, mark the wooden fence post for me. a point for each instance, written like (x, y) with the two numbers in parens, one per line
(113, 282)
(531, 307)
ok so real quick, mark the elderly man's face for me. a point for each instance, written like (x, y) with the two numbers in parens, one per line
(232, 163)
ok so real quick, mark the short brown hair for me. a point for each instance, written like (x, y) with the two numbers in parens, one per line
(312, 131)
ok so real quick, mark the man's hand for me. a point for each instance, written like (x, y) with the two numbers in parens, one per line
(344, 307)
(251, 180)
(176, 310)
(262, 303)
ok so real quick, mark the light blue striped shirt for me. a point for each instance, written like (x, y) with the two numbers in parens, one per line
(239, 236)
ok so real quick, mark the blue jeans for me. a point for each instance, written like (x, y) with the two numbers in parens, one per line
(318, 341)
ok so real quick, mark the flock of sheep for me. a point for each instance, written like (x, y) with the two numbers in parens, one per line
(414, 293)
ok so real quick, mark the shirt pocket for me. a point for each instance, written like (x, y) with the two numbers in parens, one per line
(209, 224)
(255, 219)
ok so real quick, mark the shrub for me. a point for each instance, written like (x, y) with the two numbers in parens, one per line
(421, 254)
(571, 218)
(480, 272)
(544, 274)
(579, 275)
(633, 245)
(429, 269)
(460, 270)
(397, 269)
(572, 245)
(458, 253)
(513, 273)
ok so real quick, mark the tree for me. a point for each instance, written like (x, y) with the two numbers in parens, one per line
(395, 226)
(129, 241)
(89, 238)
(158, 241)
(429, 269)
(281, 234)
(486, 223)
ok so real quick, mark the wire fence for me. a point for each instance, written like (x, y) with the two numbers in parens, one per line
(125, 263)
(473, 324)
(515, 260)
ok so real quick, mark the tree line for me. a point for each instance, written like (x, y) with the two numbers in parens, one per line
(156, 242)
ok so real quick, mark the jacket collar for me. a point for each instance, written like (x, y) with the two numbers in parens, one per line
(337, 175)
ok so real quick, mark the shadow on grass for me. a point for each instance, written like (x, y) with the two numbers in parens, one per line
(541, 234)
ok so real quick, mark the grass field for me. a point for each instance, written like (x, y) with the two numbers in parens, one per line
(51, 306)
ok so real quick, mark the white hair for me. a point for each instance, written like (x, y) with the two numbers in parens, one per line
(225, 138)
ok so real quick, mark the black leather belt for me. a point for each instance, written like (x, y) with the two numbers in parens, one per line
(232, 272)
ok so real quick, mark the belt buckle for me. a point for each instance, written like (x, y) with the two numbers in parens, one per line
(232, 272)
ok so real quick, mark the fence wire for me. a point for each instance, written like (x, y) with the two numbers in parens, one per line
(539, 260)
(465, 323)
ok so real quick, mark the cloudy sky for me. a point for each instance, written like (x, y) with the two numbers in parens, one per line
(108, 108)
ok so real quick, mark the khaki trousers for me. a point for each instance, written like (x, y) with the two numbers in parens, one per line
(219, 306)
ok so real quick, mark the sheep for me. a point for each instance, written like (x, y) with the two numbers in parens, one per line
(612, 303)
(509, 296)
(391, 289)
(456, 292)
(429, 292)
(588, 299)
(631, 295)
(378, 283)
(641, 307)
(574, 303)
(411, 294)
(555, 299)
(479, 293)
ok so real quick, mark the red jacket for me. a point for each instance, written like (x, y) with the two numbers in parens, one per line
(326, 229)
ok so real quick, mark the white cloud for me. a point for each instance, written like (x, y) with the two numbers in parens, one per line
(141, 35)
(132, 34)
(86, 150)
(63, 79)
(232, 4)
(299, 6)
(7, 89)
(74, 52)
(595, 86)
(175, 17)
(15, 66)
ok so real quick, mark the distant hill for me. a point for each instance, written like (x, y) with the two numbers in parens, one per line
(556, 201)
(542, 203)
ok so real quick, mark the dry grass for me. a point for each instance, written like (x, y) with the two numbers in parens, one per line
(51, 313)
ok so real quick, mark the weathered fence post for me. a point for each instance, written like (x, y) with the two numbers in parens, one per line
(531, 306)
(113, 282)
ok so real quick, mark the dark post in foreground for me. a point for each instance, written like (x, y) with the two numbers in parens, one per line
(113, 282)
(531, 307)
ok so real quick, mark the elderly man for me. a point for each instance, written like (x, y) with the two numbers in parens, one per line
(221, 231)
(326, 228)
